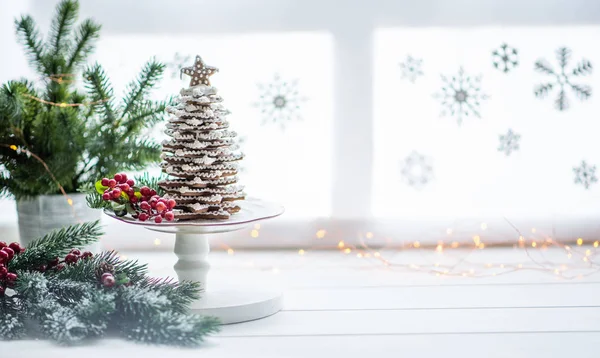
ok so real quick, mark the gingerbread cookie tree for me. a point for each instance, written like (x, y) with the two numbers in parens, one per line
(201, 158)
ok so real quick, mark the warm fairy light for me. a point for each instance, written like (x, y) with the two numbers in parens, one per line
(359, 255)
(13, 147)
(533, 230)
(501, 266)
(471, 271)
(254, 233)
(341, 244)
(413, 266)
(156, 242)
(569, 255)
(595, 243)
(488, 265)
(477, 240)
(520, 265)
(588, 252)
(417, 244)
(301, 252)
(482, 246)
(521, 238)
(62, 105)
(454, 244)
(464, 274)
(321, 234)
(483, 226)
(579, 241)
(556, 271)
(437, 264)
(256, 226)
(347, 250)
(567, 247)
(230, 251)
(369, 235)
(439, 248)
(585, 259)
(448, 231)
(377, 254)
(564, 267)
(534, 244)
(70, 201)
(437, 273)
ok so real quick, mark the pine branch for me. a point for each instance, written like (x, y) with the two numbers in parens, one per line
(151, 182)
(30, 37)
(179, 294)
(85, 270)
(12, 319)
(66, 15)
(171, 329)
(145, 115)
(101, 91)
(87, 34)
(56, 243)
(139, 88)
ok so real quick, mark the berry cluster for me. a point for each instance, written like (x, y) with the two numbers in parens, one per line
(144, 203)
(72, 257)
(7, 253)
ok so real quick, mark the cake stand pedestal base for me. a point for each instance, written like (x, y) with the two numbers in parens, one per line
(192, 248)
(230, 306)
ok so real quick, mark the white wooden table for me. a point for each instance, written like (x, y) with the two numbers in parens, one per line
(337, 305)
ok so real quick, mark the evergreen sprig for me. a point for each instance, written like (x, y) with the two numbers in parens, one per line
(78, 143)
(72, 305)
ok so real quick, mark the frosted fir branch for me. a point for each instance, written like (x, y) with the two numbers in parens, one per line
(56, 243)
(562, 55)
(561, 103)
(582, 91)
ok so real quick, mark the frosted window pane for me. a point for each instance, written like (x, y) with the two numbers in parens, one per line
(290, 166)
(470, 176)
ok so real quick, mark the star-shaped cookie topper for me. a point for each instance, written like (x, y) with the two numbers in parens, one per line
(199, 72)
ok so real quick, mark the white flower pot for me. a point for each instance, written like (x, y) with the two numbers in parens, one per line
(44, 213)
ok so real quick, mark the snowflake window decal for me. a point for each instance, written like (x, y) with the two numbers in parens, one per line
(179, 61)
(411, 68)
(280, 101)
(416, 170)
(505, 58)
(461, 96)
(563, 79)
(509, 142)
(585, 174)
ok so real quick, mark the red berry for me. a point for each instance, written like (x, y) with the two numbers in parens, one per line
(118, 178)
(75, 252)
(130, 182)
(16, 247)
(106, 196)
(3, 272)
(169, 216)
(3, 244)
(145, 206)
(145, 191)
(143, 217)
(124, 187)
(116, 193)
(86, 254)
(3, 256)
(131, 192)
(152, 192)
(158, 219)
(133, 199)
(104, 182)
(11, 277)
(123, 178)
(71, 258)
(112, 183)
(107, 279)
(54, 262)
(42, 268)
(60, 267)
(152, 203)
(10, 252)
(160, 206)
(171, 203)
(155, 197)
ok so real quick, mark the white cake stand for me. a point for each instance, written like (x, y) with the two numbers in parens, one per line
(192, 248)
